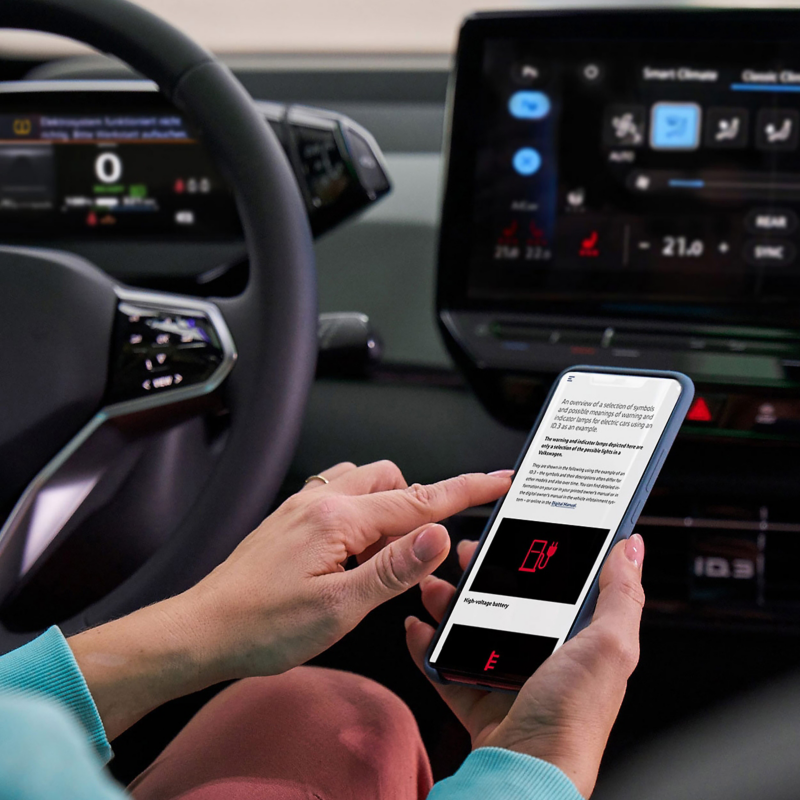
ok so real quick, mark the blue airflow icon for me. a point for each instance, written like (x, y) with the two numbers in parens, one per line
(675, 126)
(527, 161)
(529, 105)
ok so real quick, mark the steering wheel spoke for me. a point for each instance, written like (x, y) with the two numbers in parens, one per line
(165, 348)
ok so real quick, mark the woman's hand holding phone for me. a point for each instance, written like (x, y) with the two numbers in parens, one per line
(565, 711)
(283, 596)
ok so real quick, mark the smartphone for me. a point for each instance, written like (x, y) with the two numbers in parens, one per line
(580, 483)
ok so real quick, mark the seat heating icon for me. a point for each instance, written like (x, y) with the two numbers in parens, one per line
(589, 247)
(727, 129)
(539, 555)
(779, 134)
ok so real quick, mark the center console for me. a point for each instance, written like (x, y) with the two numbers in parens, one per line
(623, 189)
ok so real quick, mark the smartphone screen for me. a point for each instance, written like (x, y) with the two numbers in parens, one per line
(546, 544)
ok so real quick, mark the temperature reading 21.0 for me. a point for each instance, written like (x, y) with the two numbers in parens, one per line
(681, 247)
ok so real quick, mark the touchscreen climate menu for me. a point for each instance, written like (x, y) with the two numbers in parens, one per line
(623, 174)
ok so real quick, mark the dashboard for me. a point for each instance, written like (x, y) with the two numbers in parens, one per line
(721, 526)
(114, 160)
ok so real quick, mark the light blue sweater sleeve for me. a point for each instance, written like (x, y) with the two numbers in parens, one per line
(49, 727)
(44, 754)
(46, 668)
(490, 773)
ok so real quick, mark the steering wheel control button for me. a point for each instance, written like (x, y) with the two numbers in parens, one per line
(776, 221)
(769, 253)
(675, 126)
(156, 349)
(164, 382)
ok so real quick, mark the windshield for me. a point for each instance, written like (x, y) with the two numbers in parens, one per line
(328, 26)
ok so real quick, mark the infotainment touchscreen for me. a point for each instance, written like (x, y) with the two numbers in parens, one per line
(657, 176)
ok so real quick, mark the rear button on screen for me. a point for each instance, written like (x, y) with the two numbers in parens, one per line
(771, 220)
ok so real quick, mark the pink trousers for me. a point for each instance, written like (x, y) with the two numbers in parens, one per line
(310, 734)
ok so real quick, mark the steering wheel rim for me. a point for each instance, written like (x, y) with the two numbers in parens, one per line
(273, 322)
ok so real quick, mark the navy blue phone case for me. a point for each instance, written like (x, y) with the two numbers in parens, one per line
(625, 528)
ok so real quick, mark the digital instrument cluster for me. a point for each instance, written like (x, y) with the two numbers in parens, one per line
(106, 163)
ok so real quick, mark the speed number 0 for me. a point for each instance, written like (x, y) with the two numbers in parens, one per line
(108, 167)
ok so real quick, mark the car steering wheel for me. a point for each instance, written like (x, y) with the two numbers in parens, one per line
(73, 339)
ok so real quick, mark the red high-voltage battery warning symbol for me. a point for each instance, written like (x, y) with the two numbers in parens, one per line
(538, 556)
